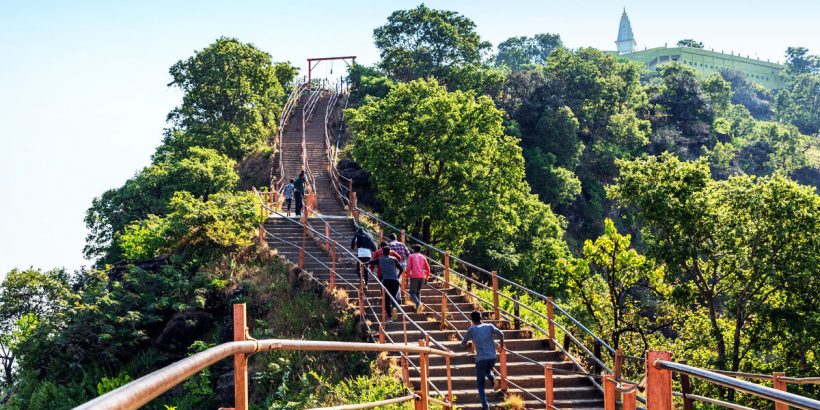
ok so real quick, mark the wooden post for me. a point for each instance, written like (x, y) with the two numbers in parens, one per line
(779, 385)
(609, 392)
(302, 249)
(496, 311)
(516, 313)
(549, 392)
(333, 266)
(596, 350)
(353, 210)
(449, 383)
(629, 401)
(619, 364)
(405, 371)
(240, 360)
(423, 368)
(502, 363)
(658, 382)
(361, 290)
(551, 320)
(686, 389)
(384, 306)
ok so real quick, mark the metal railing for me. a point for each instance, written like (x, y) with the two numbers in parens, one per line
(141, 391)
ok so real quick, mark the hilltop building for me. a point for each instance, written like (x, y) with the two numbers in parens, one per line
(706, 62)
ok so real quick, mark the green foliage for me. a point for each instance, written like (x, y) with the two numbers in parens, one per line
(557, 134)
(688, 42)
(799, 61)
(285, 72)
(107, 384)
(799, 104)
(425, 42)
(621, 291)
(369, 82)
(553, 184)
(517, 53)
(225, 222)
(231, 102)
(200, 171)
(734, 248)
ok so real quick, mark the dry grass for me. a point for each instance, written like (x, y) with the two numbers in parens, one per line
(387, 365)
(338, 299)
(514, 402)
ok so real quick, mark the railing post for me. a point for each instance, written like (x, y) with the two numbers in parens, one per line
(551, 320)
(403, 237)
(405, 371)
(548, 390)
(361, 289)
(516, 313)
(630, 400)
(686, 389)
(384, 307)
(381, 333)
(596, 350)
(327, 235)
(381, 234)
(240, 360)
(779, 385)
(608, 383)
(658, 382)
(423, 368)
(496, 311)
(449, 383)
(444, 290)
(333, 266)
(302, 249)
(502, 363)
(350, 196)
(353, 205)
(619, 364)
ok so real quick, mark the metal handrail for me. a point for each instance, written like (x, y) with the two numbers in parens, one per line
(769, 393)
(141, 391)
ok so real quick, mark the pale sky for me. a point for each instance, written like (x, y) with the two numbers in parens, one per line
(83, 95)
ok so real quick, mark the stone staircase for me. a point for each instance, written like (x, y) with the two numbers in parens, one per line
(571, 391)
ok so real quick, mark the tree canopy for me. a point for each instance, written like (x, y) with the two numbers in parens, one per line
(519, 52)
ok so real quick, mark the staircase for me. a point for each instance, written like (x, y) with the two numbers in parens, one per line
(571, 391)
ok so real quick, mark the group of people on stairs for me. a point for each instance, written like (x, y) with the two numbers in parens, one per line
(390, 261)
(295, 189)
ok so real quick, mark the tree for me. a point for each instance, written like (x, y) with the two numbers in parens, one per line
(424, 42)
(231, 103)
(29, 298)
(437, 156)
(732, 247)
(518, 52)
(285, 72)
(756, 98)
(799, 104)
(200, 171)
(799, 61)
(553, 184)
(557, 134)
(620, 289)
(688, 42)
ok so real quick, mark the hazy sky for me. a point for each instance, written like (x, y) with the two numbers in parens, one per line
(83, 94)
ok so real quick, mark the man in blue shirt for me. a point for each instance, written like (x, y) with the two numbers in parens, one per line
(481, 334)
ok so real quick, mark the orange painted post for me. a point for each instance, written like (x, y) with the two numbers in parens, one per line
(403, 237)
(551, 324)
(381, 333)
(779, 385)
(302, 249)
(609, 392)
(502, 363)
(327, 235)
(449, 383)
(619, 363)
(630, 400)
(405, 371)
(354, 212)
(404, 326)
(350, 196)
(381, 234)
(496, 311)
(333, 266)
(384, 307)
(423, 369)
(240, 360)
(361, 290)
(658, 382)
(549, 392)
